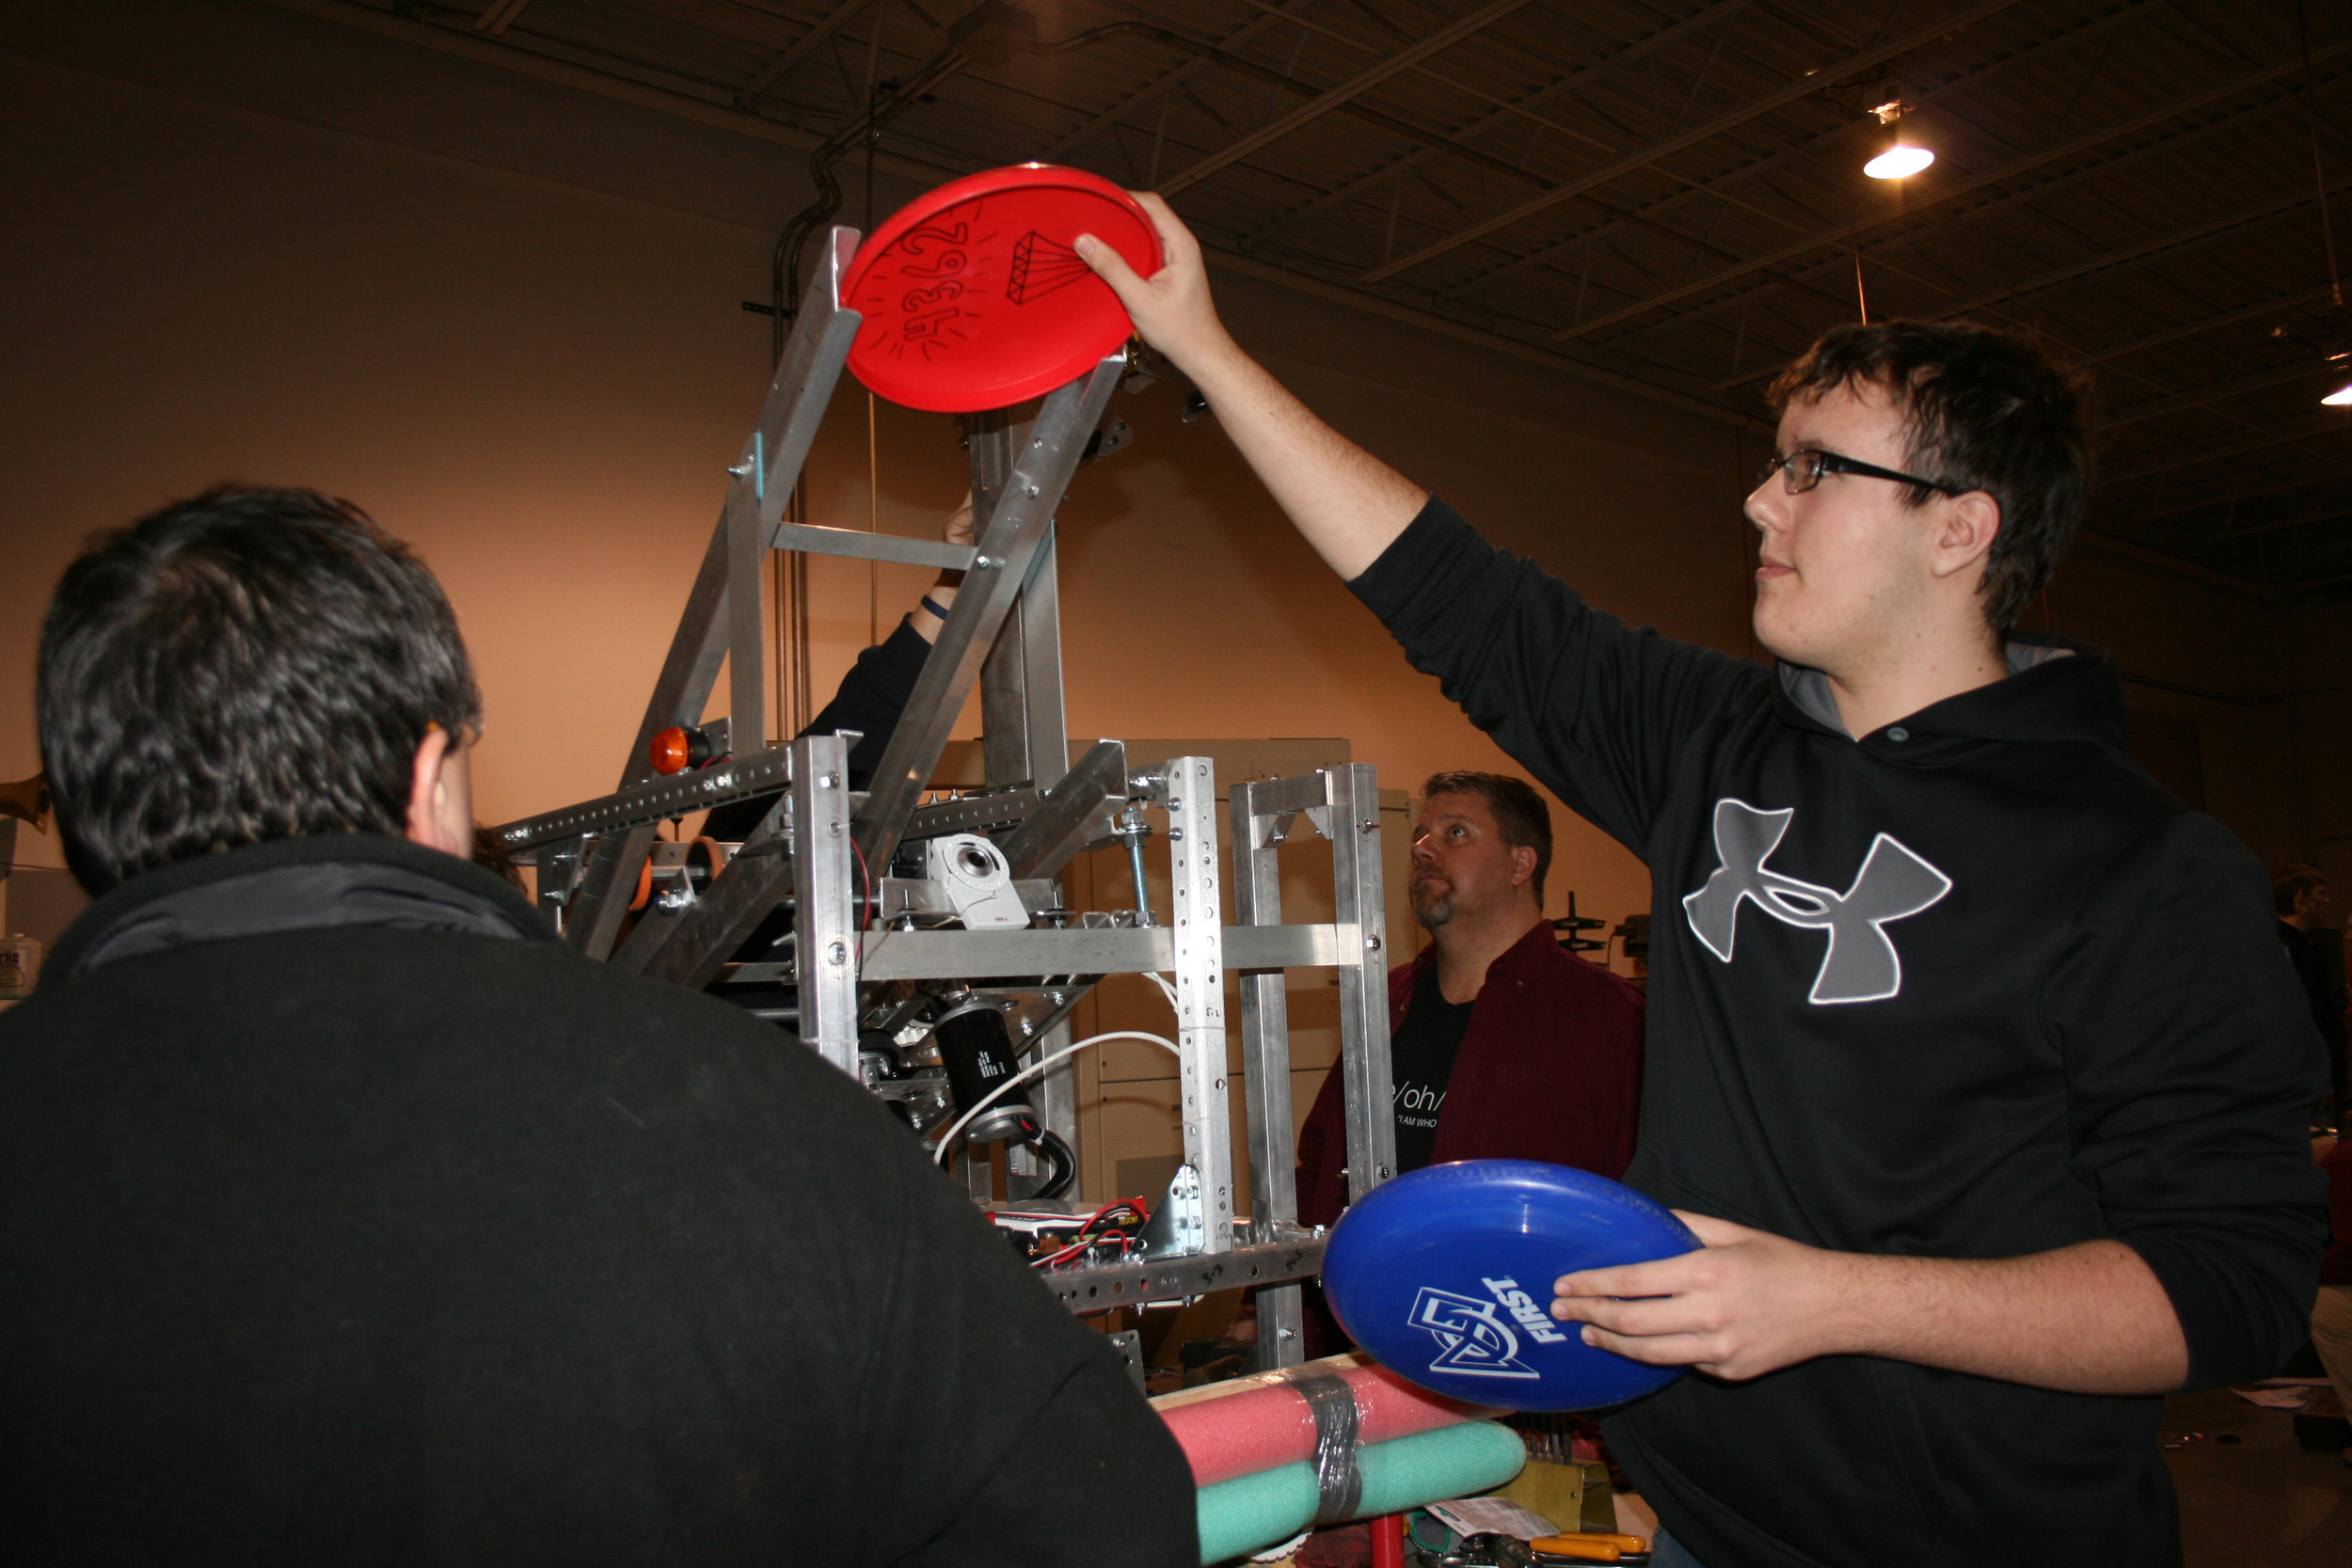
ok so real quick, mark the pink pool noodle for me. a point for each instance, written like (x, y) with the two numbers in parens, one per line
(1272, 1424)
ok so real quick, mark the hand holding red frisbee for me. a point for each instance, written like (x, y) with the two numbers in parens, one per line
(973, 297)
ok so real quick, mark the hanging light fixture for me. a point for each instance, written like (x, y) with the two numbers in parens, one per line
(1898, 157)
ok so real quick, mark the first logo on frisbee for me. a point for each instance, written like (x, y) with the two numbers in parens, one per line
(973, 297)
(1445, 1275)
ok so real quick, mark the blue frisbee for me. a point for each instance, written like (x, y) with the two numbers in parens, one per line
(1444, 1275)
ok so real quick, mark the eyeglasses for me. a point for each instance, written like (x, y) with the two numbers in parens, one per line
(1804, 468)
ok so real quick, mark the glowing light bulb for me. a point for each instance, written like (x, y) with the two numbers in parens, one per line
(1899, 162)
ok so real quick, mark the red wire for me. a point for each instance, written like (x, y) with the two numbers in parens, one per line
(866, 908)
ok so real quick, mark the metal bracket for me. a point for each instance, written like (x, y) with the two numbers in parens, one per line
(1180, 1225)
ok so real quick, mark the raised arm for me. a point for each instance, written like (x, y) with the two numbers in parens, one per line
(1348, 503)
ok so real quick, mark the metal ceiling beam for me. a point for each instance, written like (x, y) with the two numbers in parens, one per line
(1363, 82)
(2197, 398)
(1549, 93)
(2247, 486)
(1753, 109)
(1718, 186)
(498, 16)
(1170, 81)
(1403, 130)
(2203, 324)
(2260, 440)
(2131, 253)
(800, 49)
(2336, 513)
(1841, 232)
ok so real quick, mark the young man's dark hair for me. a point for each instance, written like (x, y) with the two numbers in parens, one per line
(1519, 812)
(248, 665)
(1986, 410)
(2291, 882)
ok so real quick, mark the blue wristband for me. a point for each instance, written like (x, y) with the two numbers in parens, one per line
(934, 607)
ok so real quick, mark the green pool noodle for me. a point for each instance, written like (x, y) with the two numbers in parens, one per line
(1250, 1514)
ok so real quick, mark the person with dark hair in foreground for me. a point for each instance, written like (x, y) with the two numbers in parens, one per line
(1504, 1044)
(346, 1216)
(1970, 1056)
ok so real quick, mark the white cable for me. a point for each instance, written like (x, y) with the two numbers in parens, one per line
(1039, 1066)
(1166, 989)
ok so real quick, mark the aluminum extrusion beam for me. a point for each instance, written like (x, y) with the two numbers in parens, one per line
(1024, 732)
(657, 800)
(1099, 1290)
(1367, 1081)
(1196, 927)
(695, 948)
(814, 539)
(825, 930)
(1014, 532)
(1066, 822)
(768, 471)
(803, 384)
(957, 955)
(1257, 835)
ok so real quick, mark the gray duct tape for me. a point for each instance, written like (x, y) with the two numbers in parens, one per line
(1338, 1484)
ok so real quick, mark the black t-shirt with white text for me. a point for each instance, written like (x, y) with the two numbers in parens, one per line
(1422, 1062)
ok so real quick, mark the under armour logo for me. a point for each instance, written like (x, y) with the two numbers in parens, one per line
(1471, 1337)
(1861, 964)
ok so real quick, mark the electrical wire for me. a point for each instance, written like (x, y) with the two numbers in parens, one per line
(865, 917)
(948, 1138)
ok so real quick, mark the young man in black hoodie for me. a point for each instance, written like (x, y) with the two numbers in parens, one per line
(347, 1216)
(1970, 1056)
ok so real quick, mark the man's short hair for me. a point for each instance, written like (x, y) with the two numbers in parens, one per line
(1984, 410)
(248, 665)
(2291, 882)
(1518, 811)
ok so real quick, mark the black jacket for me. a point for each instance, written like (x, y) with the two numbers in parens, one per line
(869, 701)
(1971, 986)
(345, 1217)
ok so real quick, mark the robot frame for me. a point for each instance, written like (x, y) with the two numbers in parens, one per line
(958, 958)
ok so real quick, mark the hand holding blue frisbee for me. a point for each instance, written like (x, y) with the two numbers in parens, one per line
(1444, 1275)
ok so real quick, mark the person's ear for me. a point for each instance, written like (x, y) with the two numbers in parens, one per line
(436, 788)
(1965, 528)
(1522, 864)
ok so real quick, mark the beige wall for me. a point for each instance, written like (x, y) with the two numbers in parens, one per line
(504, 315)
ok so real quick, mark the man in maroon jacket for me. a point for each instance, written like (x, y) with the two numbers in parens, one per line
(1503, 1044)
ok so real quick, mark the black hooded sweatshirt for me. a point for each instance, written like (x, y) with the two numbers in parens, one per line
(1970, 985)
(345, 1216)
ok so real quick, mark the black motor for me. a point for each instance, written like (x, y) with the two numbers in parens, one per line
(977, 1050)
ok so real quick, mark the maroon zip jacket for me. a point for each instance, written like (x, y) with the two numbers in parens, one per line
(1549, 1068)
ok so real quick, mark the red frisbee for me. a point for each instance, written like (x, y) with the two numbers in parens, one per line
(973, 297)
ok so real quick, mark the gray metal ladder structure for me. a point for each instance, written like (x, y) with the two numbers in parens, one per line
(1003, 631)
